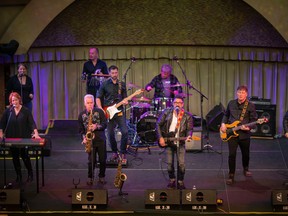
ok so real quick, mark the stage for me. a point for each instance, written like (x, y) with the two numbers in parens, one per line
(206, 169)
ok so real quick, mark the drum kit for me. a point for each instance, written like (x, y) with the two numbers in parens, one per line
(144, 113)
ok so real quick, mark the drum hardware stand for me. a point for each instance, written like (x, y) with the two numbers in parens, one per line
(133, 59)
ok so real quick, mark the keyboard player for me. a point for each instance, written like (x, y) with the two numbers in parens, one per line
(18, 122)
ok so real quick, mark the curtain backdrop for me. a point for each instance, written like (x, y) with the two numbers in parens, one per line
(214, 71)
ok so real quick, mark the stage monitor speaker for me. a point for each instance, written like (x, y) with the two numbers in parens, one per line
(162, 199)
(10, 199)
(194, 145)
(214, 117)
(280, 200)
(89, 199)
(267, 129)
(204, 200)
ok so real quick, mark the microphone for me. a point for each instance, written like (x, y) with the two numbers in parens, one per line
(11, 108)
(177, 110)
(21, 75)
(133, 59)
(175, 58)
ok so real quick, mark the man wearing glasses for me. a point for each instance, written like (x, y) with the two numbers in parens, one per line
(175, 126)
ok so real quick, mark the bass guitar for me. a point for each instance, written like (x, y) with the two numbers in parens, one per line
(170, 138)
(112, 110)
(232, 128)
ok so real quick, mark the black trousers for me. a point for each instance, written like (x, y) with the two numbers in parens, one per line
(99, 148)
(244, 145)
(23, 152)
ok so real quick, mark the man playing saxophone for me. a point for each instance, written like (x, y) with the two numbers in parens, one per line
(92, 124)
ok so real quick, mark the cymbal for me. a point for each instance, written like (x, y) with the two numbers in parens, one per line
(178, 85)
(184, 95)
(141, 99)
(101, 75)
(131, 85)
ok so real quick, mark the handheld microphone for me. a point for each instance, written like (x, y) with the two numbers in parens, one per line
(177, 110)
(133, 59)
(175, 58)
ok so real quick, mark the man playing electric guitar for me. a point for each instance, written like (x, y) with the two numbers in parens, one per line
(243, 111)
(114, 91)
(178, 122)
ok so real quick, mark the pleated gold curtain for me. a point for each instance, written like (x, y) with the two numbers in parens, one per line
(214, 71)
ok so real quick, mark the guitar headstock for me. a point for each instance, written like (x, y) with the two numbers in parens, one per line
(139, 91)
(262, 120)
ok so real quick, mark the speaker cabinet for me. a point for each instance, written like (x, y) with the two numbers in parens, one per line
(267, 129)
(280, 200)
(86, 199)
(10, 199)
(162, 199)
(214, 117)
(194, 145)
(204, 200)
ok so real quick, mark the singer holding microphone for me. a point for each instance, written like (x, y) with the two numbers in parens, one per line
(17, 122)
(23, 85)
(175, 126)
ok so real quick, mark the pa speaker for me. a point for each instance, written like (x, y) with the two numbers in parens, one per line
(10, 199)
(162, 199)
(267, 129)
(86, 199)
(280, 200)
(199, 199)
(214, 117)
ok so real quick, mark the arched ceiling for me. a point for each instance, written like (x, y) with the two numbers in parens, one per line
(28, 25)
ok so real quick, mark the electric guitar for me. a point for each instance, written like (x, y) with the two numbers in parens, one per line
(170, 138)
(232, 128)
(112, 110)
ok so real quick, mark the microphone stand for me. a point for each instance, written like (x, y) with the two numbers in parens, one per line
(207, 146)
(124, 77)
(21, 75)
(3, 143)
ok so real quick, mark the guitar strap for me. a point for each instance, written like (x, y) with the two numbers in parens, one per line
(244, 110)
(180, 116)
(119, 95)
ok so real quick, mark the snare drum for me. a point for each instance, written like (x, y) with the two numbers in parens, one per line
(162, 103)
(146, 127)
(138, 109)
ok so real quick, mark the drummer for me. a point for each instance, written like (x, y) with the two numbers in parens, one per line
(166, 84)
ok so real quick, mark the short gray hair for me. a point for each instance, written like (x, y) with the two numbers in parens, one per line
(88, 96)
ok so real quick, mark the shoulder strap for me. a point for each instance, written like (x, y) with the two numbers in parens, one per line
(244, 110)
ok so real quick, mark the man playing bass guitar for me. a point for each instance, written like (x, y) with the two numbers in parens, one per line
(243, 111)
(178, 122)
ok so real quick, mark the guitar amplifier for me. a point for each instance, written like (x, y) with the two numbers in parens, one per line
(267, 129)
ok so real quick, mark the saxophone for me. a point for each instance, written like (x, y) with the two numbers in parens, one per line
(120, 177)
(89, 134)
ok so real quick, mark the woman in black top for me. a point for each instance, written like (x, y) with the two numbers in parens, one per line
(17, 122)
(23, 85)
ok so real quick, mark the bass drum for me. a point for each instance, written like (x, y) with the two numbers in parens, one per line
(146, 128)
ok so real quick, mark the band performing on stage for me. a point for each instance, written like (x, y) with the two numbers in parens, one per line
(161, 121)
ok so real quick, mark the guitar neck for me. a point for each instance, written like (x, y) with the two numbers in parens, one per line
(246, 125)
(127, 98)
